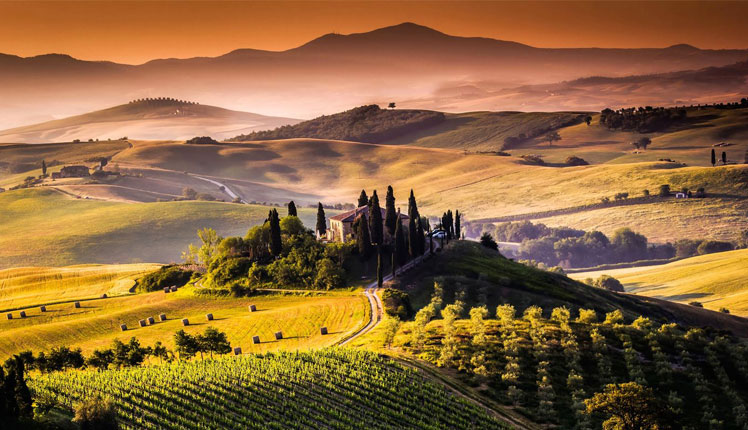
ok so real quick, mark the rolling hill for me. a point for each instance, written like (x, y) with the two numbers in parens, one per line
(416, 66)
(145, 119)
(716, 280)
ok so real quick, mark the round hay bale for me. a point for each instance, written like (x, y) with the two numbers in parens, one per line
(323, 330)
(237, 351)
(123, 327)
(10, 316)
(185, 322)
(141, 323)
(255, 339)
(151, 320)
(174, 289)
(252, 308)
(162, 317)
(103, 296)
(43, 308)
(278, 335)
(209, 317)
(166, 290)
(77, 305)
(23, 314)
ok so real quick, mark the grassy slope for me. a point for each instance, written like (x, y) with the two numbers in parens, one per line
(43, 227)
(716, 280)
(31, 286)
(493, 280)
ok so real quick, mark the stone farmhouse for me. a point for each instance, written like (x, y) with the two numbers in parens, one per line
(341, 226)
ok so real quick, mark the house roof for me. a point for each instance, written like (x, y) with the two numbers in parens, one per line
(351, 215)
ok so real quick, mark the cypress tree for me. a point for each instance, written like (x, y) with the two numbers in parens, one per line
(401, 247)
(458, 234)
(421, 239)
(413, 206)
(363, 239)
(714, 158)
(412, 239)
(380, 269)
(44, 168)
(375, 220)
(363, 199)
(22, 393)
(450, 225)
(390, 219)
(276, 245)
(292, 209)
(724, 158)
(321, 221)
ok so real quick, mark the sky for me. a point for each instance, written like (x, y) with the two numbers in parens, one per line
(135, 32)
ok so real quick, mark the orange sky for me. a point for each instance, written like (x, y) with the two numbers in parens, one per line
(134, 32)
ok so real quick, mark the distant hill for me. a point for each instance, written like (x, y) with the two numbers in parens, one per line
(162, 118)
(416, 66)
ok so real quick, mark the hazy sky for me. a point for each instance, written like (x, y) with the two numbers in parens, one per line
(135, 32)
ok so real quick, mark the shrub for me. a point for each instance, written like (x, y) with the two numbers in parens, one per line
(189, 193)
(397, 303)
(206, 197)
(696, 304)
(615, 317)
(609, 283)
(329, 275)
(535, 160)
(664, 190)
(166, 276)
(202, 140)
(96, 414)
(712, 246)
(724, 310)
(587, 316)
(487, 240)
(575, 161)
(223, 271)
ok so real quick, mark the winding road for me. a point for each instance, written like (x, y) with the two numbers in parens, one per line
(225, 188)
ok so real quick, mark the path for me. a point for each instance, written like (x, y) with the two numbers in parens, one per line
(377, 310)
(226, 188)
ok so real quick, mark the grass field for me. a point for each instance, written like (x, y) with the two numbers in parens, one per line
(715, 280)
(33, 286)
(44, 227)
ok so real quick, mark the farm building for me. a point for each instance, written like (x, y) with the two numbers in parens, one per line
(72, 172)
(341, 226)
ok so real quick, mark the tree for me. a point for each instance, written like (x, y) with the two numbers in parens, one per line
(375, 221)
(643, 142)
(421, 239)
(413, 207)
(213, 341)
(96, 414)
(363, 199)
(380, 269)
(487, 240)
(276, 245)
(609, 283)
(363, 239)
(412, 238)
(458, 234)
(189, 193)
(390, 218)
(44, 168)
(390, 327)
(552, 137)
(724, 158)
(714, 158)
(160, 351)
(588, 120)
(391, 105)
(321, 221)
(186, 344)
(627, 406)
(664, 190)
(401, 248)
(292, 209)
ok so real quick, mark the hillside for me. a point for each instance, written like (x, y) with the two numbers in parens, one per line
(161, 118)
(716, 280)
(316, 390)
(42, 227)
(416, 66)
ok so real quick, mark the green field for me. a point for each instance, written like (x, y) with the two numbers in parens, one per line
(327, 389)
(44, 227)
(717, 280)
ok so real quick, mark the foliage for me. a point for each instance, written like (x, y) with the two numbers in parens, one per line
(627, 406)
(487, 241)
(609, 283)
(166, 276)
(643, 119)
(96, 414)
(573, 160)
(202, 140)
(397, 303)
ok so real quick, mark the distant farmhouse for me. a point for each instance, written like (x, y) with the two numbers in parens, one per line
(72, 172)
(341, 226)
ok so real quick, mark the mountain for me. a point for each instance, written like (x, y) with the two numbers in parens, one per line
(403, 63)
(162, 118)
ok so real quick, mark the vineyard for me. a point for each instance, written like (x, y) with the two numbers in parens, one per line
(547, 367)
(325, 389)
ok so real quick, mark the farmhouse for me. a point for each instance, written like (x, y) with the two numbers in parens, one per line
(341, 226)
(71, 172)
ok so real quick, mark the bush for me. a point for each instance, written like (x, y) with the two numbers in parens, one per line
(696, 304)
(609, 283)
(202, 140)
(329, 275)
(535, 160)
(206, 197)
(487, 241)
(664, 190)
(166, 276)
(712, 246)
(96, 414)
(189, 193)
(223, 271)
(397, 303)
(575, 161)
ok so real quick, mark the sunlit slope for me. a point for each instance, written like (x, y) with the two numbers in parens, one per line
(44, 227)
(30, 286)
(97, 322)
(715, 280)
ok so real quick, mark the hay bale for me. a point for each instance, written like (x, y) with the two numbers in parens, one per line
(209, 317)
(252, 308)
(166, 290)
(77, 305)
(185, 322)
(174, 289)
(103, 296)
(123, 327)
(10, 316)
(162, 317)
(141, 323)
(255, 339)
(43, 308)
(23, 314)
(323, 330)
(151, 320)
(237, 351)
(278, 335)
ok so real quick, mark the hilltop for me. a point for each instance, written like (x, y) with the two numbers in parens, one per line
(159, 118)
